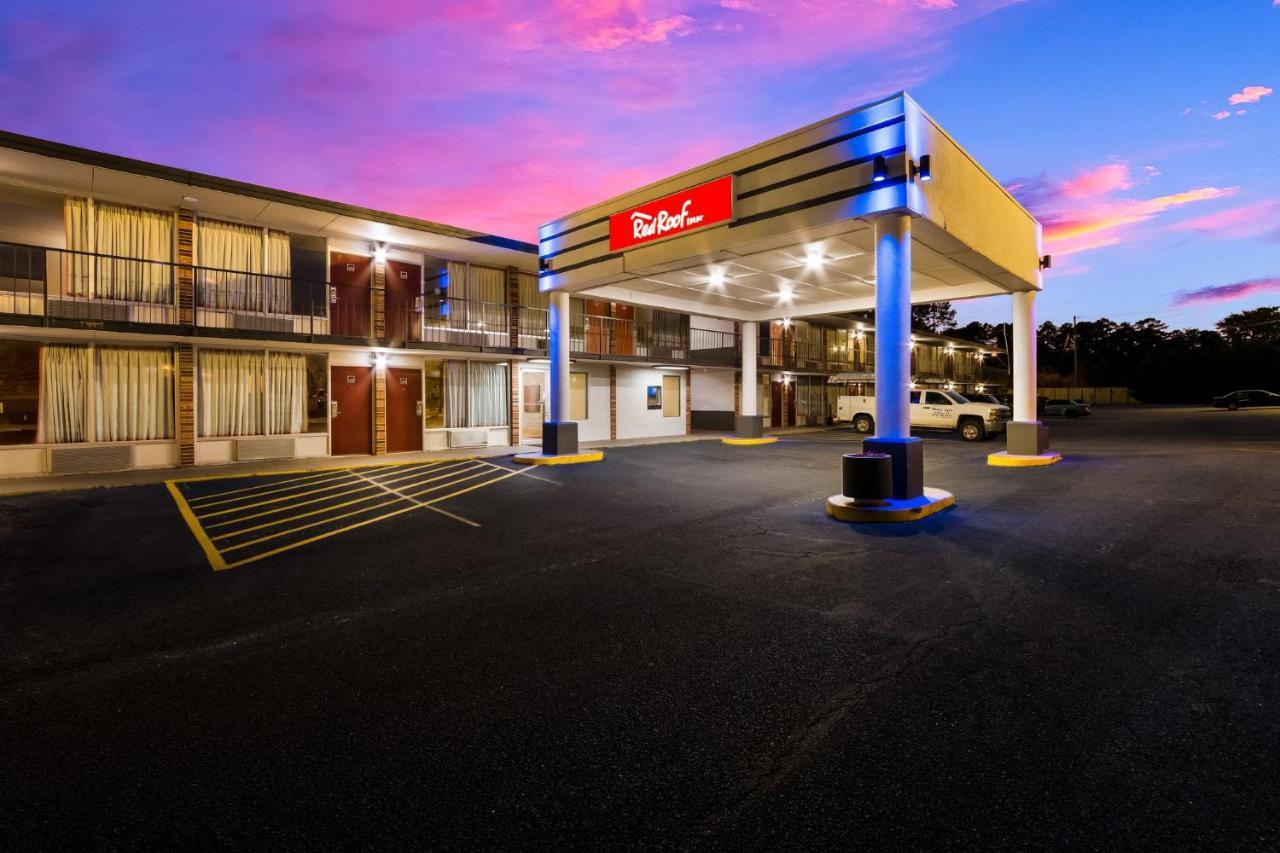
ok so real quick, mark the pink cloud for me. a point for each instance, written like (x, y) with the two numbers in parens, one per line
(1098, 181)
(1225, 292)
(1260, 218)
(1088, 212)
(1249, 95)
(1221, 114)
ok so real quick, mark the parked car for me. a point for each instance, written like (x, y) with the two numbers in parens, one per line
(1067, 408)
(930, 410)
(1245, 399)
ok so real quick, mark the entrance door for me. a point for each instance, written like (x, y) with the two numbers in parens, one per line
(351, 410)
(404, 409)
(624, 330)
(596, 326)
(775, 404)
(350, 277)
(533, 405)
(404, 301)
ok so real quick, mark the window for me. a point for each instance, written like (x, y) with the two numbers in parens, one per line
(317, 392)
(433, 394)
(915, 398)
(230, 393)
(577, 396)
(19, 391)
(476, 394)
(249, 392)
(132, 393)
(671, 396)
(936, 398)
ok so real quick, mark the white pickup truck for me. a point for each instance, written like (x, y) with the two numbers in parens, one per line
(930, 410)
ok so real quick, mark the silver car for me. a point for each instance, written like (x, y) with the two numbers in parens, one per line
(1067, 408)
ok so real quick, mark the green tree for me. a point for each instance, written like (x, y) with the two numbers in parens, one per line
(1255, 324)
(934, 316)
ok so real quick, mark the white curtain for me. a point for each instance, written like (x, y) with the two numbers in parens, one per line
(133, 393)
(76, 275)
(455, 393)
(487, 395)
(277, 294)
(231, 263)
(530, 296)
(230, 392)
(287, 394)
(64, 372)
(143, 236)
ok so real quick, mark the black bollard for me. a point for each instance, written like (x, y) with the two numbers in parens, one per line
(868, 478)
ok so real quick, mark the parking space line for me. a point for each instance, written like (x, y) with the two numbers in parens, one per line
(284, 508)
(292, 545)
(236, 547)
(210, 552)
(276, 522)
(259, 486)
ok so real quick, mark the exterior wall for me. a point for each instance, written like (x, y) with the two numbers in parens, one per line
(713, 399)
(635, 420)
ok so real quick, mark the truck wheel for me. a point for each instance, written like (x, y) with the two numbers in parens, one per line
(863, 424)
(972, 430)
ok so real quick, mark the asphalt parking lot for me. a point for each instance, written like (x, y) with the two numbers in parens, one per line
(671, 649)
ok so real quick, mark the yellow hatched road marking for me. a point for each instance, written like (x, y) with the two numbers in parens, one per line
(258, 487)
(236, 547)
(327, 478)
(270, 501)
(215, 559)
(285, 508)
(329, 508)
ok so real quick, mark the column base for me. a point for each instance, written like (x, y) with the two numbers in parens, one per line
(559, 438)
(1005, 459)
(562, 459)
(748, 426)
(907, 461)
(1027, 444)
(931, 501)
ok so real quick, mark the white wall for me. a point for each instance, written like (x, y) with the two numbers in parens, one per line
(634, 419)
(596, 426)
(712, 389)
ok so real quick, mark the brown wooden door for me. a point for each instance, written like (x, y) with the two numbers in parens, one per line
(404, 409)
(351, 410)
(596, 326)
(350, 277)
(624, 330)
(404, 304)
(775, 404)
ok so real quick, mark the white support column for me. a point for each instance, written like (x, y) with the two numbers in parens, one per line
(893, 325)
(558, 411)
(1024, 357)
(749, 331)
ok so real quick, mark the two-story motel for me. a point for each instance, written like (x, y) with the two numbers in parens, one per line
(155, 317)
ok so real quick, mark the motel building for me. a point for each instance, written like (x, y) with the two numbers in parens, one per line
(152, 317)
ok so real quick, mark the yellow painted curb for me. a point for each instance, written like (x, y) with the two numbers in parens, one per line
(564, 459)
(749, 442)
(842, 509)
(1003, 459)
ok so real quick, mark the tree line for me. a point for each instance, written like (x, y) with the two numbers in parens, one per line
(1158, 364)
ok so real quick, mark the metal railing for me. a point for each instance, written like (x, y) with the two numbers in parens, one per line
(40, 282)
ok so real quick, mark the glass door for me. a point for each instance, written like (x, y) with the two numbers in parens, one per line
(533, 404)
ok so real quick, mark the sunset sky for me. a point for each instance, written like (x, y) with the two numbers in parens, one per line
(1144, 135)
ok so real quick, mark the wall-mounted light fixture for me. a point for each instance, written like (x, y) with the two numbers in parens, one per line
(879, 168)
(380, 253)
(380, 360)
(670, 367)
(1046, 262)
(923, 170)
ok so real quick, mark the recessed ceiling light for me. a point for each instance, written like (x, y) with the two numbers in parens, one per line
(190, 199)
(813, 254)
(716, 278)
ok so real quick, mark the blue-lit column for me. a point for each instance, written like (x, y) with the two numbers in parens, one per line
(893, 326)
(893, 357)
(559, 433)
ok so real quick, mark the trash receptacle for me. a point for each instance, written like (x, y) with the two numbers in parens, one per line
(868, 478)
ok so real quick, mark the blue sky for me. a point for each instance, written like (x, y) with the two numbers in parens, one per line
(1113, 121)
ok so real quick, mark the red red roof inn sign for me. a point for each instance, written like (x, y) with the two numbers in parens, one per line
(679, 213)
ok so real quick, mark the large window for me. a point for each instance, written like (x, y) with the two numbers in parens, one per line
(249, 392)
(133, 393)
(19, 391)
(135, 246)
(473, 394)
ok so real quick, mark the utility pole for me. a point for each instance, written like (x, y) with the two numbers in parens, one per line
(1075, 353)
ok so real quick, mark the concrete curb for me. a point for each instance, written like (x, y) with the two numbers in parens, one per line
(563, 459)
(1004, 459)
(933, 501)
(749, 442)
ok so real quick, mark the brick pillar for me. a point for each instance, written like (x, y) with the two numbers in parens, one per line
(737, 393)
(185, 277)
(613, 402)
(380, 307)
(379, 411)
(513, 310)
(186, 426)
(786, 402)
(688, 403)
(513, 380)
